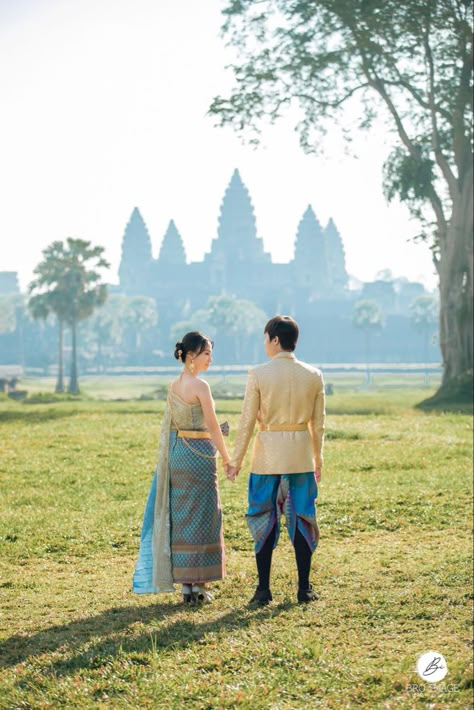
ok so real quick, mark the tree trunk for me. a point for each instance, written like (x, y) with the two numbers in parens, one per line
(456, 289)
(60, 380)
(73, 383)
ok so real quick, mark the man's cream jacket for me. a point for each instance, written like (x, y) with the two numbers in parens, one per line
(282, 393)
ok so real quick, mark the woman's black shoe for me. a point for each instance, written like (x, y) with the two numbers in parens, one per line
(307, 595)
(261, 597)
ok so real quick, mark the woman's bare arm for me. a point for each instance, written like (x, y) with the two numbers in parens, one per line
(203, 392)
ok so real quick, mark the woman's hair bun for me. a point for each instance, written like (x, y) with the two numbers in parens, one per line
(193, 342)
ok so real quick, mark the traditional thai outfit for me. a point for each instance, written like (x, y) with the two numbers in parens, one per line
(285, 399)
(181, 539)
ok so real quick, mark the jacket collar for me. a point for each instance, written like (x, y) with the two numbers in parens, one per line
(285, 353)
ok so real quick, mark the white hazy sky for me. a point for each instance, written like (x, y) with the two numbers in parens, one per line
(103, 108)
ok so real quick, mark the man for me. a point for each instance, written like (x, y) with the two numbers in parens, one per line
(285, 397)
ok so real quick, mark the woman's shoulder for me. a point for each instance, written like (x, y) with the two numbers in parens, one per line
(202, 387)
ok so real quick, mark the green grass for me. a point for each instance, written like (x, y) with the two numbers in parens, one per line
(393, 568)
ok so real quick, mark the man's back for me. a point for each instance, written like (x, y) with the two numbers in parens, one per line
(288, 390)
(285, 398)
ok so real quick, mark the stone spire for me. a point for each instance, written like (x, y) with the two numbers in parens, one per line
(136, 255)
(310, 265)
(172, 251)
(336, 259)
(237, 231)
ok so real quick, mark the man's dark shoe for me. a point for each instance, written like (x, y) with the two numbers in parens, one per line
(307, 595)
(262, 597)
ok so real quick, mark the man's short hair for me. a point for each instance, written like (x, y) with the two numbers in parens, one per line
(286, 328)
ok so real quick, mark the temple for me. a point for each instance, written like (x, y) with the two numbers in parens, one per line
(313, 287)
(236, 265)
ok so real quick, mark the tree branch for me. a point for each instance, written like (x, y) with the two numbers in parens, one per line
(439, 155)
(333, 104)
(461, 144)
(377, 83)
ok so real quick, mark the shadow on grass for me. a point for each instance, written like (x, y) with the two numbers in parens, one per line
(35, 416)
(114, 625)
(454, 397)
(433, 406)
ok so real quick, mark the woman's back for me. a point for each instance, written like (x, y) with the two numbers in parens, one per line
(185, 415)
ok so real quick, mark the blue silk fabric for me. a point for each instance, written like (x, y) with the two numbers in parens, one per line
(292, 495)
(196, 537)
(143, 575)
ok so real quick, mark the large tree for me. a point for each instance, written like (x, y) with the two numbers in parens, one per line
(68, 284)
(410, 60)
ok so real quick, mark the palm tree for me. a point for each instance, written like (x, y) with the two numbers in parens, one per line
(47, 297)
(68, 284)
(367, 317)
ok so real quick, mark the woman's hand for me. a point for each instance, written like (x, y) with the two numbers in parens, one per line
(232, 472)
(317, 475)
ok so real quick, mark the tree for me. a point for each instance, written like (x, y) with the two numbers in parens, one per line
(414, 61)
(13, 318)
(8, 312)
(141, 315)
(104, 330)
(47, 297)
(225, 318)
(235, 318)
(68, 284)
(423, 317)
(367, 317)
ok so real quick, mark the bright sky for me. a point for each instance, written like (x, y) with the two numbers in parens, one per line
(104, 108)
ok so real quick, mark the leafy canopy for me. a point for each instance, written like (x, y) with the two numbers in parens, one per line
(318, 58)
(68, 281)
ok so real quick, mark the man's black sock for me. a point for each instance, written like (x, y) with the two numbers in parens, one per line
(303, 556)
(264, 561)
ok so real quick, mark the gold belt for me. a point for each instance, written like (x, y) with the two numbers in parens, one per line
(193, 434)
(283, 427)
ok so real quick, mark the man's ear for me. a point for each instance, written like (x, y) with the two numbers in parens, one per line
(276, 340)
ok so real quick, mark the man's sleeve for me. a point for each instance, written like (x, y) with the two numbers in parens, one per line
(247, 420)
(316, 425)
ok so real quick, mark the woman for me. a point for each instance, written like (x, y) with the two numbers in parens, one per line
(182, 539)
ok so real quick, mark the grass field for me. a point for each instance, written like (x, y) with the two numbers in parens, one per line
(393, 568)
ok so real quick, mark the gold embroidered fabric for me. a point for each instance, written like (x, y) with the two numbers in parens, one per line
(184, 415)
(283, 390)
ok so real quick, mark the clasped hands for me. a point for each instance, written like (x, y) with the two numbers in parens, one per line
(231, 472)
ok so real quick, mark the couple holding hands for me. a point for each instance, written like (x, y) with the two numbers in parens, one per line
(182, 540)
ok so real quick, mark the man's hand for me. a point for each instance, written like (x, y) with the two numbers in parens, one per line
(317, 475)
(232, 472)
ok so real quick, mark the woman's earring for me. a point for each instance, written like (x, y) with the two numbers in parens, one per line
(191, 367)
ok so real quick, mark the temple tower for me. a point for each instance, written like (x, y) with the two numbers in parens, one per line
(136, 258)
(309, 265)
(336, 260)
(237, 248)
(172, 251)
